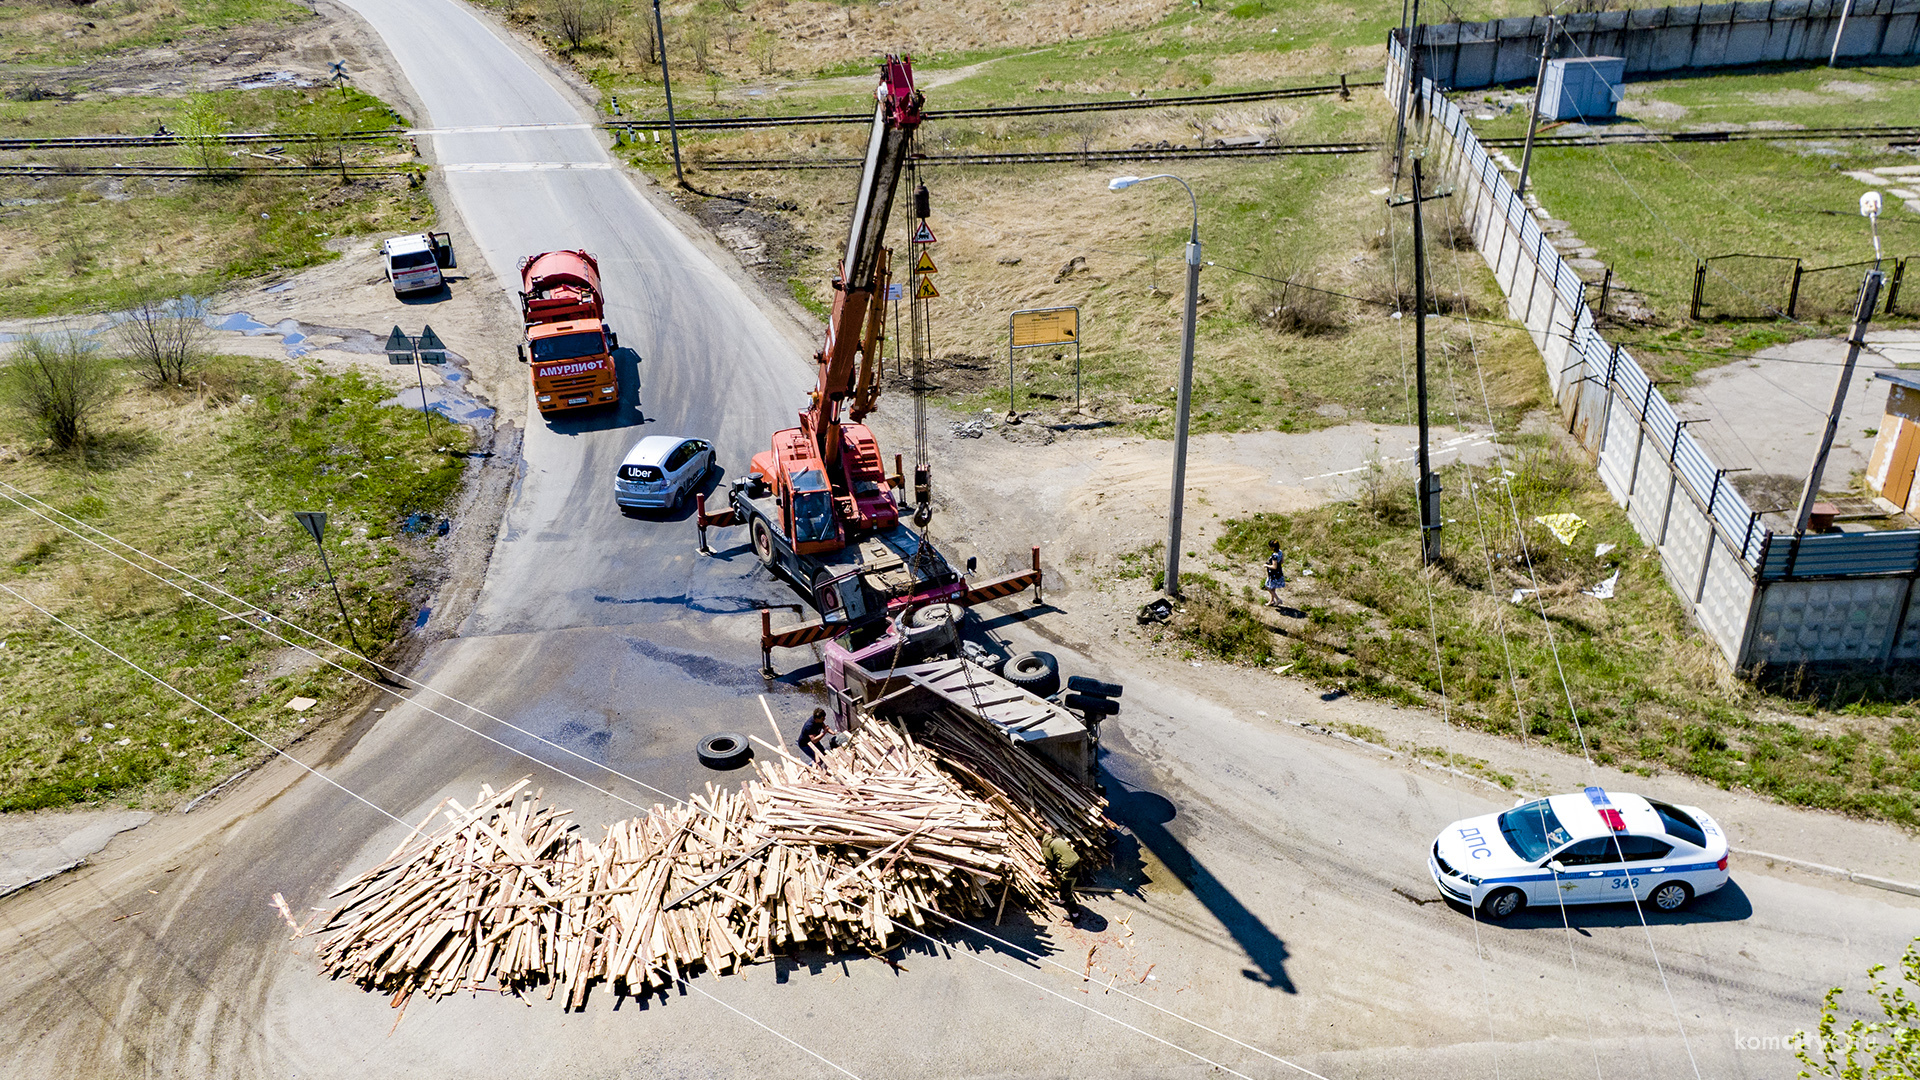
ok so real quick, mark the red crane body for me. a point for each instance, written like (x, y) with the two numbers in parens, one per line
(828, 473)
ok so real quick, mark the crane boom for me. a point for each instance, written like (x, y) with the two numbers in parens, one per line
(848, 361)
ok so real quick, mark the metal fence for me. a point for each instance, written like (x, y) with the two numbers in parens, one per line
(1763, 598)
(1783, 286)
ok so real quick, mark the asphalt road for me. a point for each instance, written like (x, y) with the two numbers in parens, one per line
(1273, 885)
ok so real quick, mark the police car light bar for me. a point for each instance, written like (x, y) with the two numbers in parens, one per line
(1598, 797)
(1613, 819)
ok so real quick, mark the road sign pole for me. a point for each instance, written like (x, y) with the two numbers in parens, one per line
(316, 525)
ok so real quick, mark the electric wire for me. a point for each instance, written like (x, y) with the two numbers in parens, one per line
(1484, 961)
(964, 925)
(363, 678)
(356, 796)
(1083, 1005)
(1574, 713)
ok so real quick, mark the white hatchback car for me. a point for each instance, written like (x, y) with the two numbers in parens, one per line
(660, 470)
(1590, 847)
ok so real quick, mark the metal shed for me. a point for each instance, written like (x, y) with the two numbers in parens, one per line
(1586, 88)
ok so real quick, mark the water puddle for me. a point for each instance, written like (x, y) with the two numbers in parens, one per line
(444, 400)
(292, 334)
(282, 287)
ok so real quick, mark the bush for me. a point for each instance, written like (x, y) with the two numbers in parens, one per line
(164, 337)
(55, 382)
(1296, 303)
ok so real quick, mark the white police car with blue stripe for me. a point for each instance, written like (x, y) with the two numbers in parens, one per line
(1590, 847)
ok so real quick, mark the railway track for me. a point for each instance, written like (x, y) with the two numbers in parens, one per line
(245, 138)
(189, 172)
(726, 123)
(1895, 134)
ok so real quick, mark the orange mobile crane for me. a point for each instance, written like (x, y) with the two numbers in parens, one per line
(819, 504)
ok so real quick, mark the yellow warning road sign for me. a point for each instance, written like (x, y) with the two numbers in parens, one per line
(1052, 326)
(925, 265)
(926, 291)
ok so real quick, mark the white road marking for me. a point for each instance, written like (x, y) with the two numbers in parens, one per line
(524, 166)
(494, 128)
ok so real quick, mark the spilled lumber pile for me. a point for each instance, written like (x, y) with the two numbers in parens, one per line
(507, 896)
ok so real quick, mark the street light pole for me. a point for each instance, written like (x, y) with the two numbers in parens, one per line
(1171, 584)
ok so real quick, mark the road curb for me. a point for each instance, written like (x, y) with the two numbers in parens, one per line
(1869, 880)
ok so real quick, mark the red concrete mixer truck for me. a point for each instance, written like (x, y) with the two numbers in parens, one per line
(567, 343)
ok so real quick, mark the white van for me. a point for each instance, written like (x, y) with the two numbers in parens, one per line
(414, 261)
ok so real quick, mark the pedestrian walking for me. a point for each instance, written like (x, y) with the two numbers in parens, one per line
(1276, 572)
(813, 734)
(1063, 862)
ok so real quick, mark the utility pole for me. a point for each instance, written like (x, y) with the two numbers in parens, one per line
(1429, 484)
(673, 129)
(1406, 92)
(1533, 119)
(1856, 340)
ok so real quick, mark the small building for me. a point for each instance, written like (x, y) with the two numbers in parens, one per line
(1585, 88)
(1896, 451)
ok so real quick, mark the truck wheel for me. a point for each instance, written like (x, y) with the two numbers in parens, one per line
(724, 751)
(763, 542)
(933, 615)
(1038, 673)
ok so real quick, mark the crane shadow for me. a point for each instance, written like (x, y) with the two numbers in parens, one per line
(1146, 815)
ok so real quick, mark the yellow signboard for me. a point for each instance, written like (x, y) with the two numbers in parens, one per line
(925, 265)
(926, 291)
(1053, 326)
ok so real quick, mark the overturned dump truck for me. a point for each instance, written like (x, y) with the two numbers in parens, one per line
(948, 691)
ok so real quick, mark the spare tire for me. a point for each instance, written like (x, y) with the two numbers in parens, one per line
(725, 750)
(1037, 673)
(934, 615)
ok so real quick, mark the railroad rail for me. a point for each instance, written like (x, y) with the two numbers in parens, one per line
(240, 138)
(193, 172)
(724, 123)
(1896, 134)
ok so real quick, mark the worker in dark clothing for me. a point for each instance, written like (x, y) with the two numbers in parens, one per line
(813, 734)
(1276, 572)
(1063, 862)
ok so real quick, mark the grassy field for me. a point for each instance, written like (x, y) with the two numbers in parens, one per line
(207, 480)
(45, 33)
(80, 243)
(1647, 690)
(1652, 210)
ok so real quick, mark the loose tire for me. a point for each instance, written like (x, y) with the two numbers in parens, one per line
(1503, 904)
(1671, 896)
(725, 750)
(762, 541)
(1037, 673)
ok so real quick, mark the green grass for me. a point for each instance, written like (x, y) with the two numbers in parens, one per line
(208, 481)
(50, 33)
(79, 244)
(1652, 210)
(1648, 689)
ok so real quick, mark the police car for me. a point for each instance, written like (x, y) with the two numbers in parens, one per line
(1590, 847)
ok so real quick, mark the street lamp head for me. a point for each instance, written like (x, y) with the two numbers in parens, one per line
(1869, 204)
(1122, 183)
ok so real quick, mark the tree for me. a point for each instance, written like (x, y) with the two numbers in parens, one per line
(1879, 1050)
(55, 382)
(645, 42)
(203, 132)
(165, 337)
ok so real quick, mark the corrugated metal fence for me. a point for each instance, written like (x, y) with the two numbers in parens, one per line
(1763, 598)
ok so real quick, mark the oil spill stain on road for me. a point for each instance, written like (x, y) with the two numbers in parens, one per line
(701, 669)
(705, 605)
